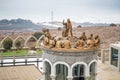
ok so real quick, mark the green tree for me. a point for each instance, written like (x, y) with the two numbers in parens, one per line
(7, 44)
(38, 34)
(18, 44)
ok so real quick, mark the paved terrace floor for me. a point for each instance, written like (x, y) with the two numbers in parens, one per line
(106, 72)
(29, 72)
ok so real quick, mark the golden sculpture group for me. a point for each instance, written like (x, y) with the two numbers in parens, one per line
(68, 41)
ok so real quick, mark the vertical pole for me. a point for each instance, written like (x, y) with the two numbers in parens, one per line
(1, 57)
(110, 55)
(14, 57)
(43, 75)
(37, 59)
(26, 58)
(119, 60)
(102, 56)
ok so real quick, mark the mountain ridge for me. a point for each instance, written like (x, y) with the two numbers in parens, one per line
(24, 24)
(15, 24)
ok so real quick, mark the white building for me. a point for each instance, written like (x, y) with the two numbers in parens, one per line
(69, 65)
(115, 55)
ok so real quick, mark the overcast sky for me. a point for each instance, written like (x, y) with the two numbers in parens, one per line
(77, 10)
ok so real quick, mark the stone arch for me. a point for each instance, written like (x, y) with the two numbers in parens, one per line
(64, 73)
(38, 45)
(18, 37)
(79, 63)
(47, 65)
(93, 61)
(1, 43)
(59, 62)
(31, 36)
(46, 60)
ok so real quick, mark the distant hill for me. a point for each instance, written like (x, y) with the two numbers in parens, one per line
(18, 24)
(84, 24)
(28, 25)
(88, 24)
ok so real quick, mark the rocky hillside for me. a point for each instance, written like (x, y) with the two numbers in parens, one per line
(18, 24)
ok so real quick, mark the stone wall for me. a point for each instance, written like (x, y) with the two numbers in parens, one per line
(70, 57)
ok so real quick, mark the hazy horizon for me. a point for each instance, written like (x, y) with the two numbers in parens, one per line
(96, 11)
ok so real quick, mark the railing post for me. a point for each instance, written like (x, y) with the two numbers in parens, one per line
(1, 57)
(14, 58)
(26, 59)
(37, 60)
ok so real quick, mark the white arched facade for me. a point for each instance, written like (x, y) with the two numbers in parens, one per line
(70, 68)
(72, 65)
(37, 41)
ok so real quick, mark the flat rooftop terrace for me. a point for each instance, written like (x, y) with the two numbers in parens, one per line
(106, 72)
(29, 72)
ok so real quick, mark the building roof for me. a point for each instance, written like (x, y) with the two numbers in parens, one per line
(29, 72)
(116, 45)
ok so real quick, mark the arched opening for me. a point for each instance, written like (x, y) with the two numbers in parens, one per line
(47, 71)
(78, 72)
(92, 70)
(31, 42)
(2, 41)
(61, 72)
(40, 41)
(19, 42)
(6, 43)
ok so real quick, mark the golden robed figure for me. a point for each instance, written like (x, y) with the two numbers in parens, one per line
(67, 29)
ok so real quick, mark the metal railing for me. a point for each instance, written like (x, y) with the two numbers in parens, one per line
(20, 60)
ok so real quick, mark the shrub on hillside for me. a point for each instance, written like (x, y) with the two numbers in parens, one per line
(59, 28)
(79, 26)
(112, 24)
(7, 44)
